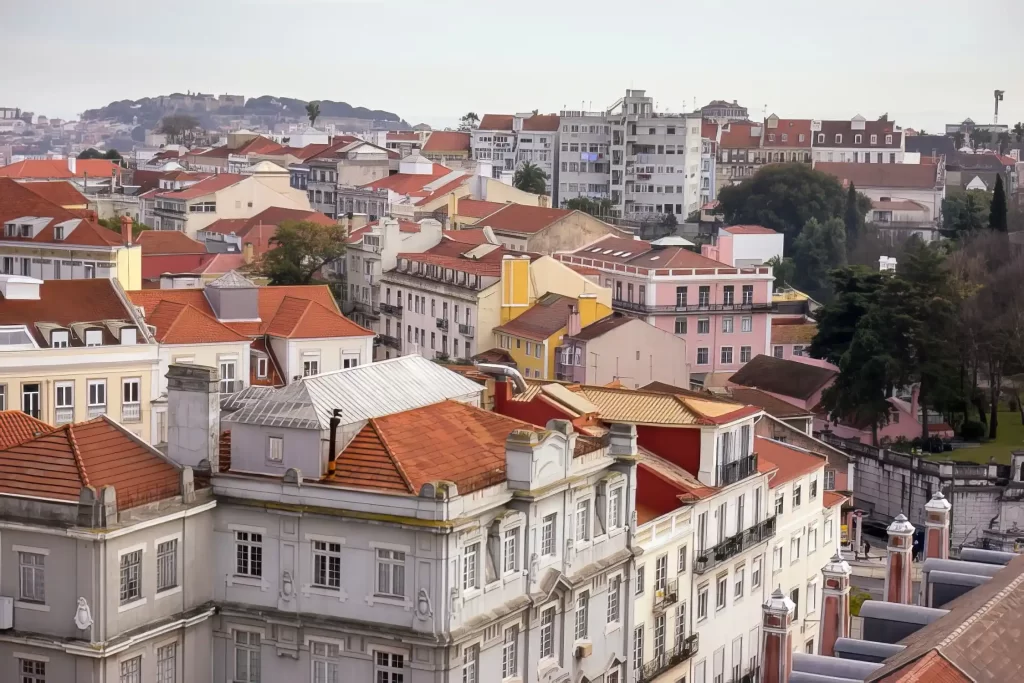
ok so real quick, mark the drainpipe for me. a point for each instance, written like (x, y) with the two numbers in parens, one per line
(335, 421)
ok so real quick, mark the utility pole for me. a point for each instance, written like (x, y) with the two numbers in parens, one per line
(999, 98)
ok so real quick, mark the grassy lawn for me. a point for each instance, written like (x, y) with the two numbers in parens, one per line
(1010, 437)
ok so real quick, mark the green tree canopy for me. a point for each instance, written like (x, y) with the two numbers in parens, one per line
(965, 211)
(784, 197)
(594, 207)
(856, 290)
(997, 209)
(530, 178)
(301, 248)
(820, 248)
(312, 112)
(853, 217)
(469, 122)
(179, 128)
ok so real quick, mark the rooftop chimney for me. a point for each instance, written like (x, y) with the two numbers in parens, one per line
(193, 415)
(247, 252)
(73, 165)
(126, 230)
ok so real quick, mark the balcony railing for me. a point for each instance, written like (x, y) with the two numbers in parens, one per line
(669, 595)
(442, 324)
(734, 545)
(62, 416)
(369, 310)
(666, 660)
(388, 340)
(752, 676)
(737, 470)
(131, 412)
(638, 307)
(96, 411)
(465, 330)
(391, 309)
(230, 386)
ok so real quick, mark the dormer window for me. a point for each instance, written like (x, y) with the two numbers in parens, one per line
(94, 337)
(771, 137)
(888, 139)
(821, 138)
(59, 339)
(874, 139)
(128, 336)
(785, 137)
(857, 139)
(58, 233)
(839, 139)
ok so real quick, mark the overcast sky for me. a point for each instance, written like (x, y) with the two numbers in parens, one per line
(925, 63)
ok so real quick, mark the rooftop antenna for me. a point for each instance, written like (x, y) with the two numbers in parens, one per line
(999, 98)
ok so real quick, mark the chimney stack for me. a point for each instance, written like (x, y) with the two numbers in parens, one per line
(777, 653)
(126, 230)
(193, 415)
(247, 253)
(936, 534)
(73, 166)
(835, 619)
(898, 583)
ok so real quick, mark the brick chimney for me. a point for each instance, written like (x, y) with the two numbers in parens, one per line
(126, 230)
(898, 583)
(835, 605)
(777, 652)
(936, 534)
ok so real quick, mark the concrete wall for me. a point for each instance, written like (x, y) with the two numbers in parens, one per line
(572, 232)
(636, 354)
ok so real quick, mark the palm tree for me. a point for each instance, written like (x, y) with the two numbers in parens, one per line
(313, 112)
(469, 122)
(530, 178)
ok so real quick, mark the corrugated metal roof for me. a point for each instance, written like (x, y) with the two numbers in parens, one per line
(364, 392)
(641, 407)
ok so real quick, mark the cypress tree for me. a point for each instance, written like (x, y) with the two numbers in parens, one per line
(997, 212)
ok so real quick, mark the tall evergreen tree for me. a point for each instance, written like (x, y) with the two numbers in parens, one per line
(997, 213)
(852, 217)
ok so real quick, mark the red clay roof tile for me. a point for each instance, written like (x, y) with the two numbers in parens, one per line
(447, 141)
(16, 426)
(166, 242)
(16, 201)
(49, 169)
(523, 219)
(60, 192)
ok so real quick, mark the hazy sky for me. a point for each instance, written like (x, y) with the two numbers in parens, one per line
(926, 63)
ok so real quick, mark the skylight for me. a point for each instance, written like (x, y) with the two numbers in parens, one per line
(655, 258)
(608, 251)
(627, 253)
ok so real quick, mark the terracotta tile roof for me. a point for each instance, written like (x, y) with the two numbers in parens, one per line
(792, 129)
(425, 197)
(258, 145)
(898, 205)
(979, 639)
(709, 130)
(49, 169)
(155, 266)
(740, 136)
(16, 427)
(16, 201)
(226, 226)
(64, 302)
(407, 136)
(830, 499)
(466, 257)
(793, 334)
(178, 323)
(674, 257)
(546, 317)
(449, 441)
(749, 230)
(305, 319)
(466, 236)
(165, 242)
(541, 123)
(602, 326)
(60, 192)
(408, 183)
(775, 407)
(447, 141)
(476, 208)
(790, 462)
(845, 128)
(784, 377)
(97, 453)
(583, 270)
(204, 187)
(220, 264)
(905, 176)
(523, 219)
(658, 408)
(496, 122)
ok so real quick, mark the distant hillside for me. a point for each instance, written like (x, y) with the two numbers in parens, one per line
(267, 109)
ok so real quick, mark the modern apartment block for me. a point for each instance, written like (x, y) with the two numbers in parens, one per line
(375, 521)
(584, 157)
(508, 141)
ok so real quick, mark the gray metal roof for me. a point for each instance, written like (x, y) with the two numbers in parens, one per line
(804, 677)
(955, 579)
(830, 666)
(986, 556)
(960, 567)
(364, 392)
(232, 280)
(866, 648)
(894, 611)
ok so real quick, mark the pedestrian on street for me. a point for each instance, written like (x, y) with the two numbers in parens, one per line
(867, 548)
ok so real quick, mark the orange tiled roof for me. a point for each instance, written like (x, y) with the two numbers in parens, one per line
(790, 462)
(830, 499)
(16, 201)
(60, 192)
(496, 122)
(739, 136)
(46, 169)
(520, 218)
(466, 236)
(445, 441)
(16, 426)
(97, 453)
(546, 317)
(65, 302)
(447, 141)
(749, 230)
(204, 187)
(305, 319)
(408, 183)
(541, 123)
(476, 208)
(932, 668)
(178, 323)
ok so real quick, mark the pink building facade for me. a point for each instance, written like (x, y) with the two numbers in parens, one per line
(723, 313)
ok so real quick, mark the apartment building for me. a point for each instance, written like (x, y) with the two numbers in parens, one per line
(75, 350)
(709, 161)
(722, 311)
(225, 195)
(858, 141)
(787, 140)
(421, 563)
(740, 153)
(42, 239)
(346, 163)
(584, 158)
(103, 545)
(508, 141)
(449, 148)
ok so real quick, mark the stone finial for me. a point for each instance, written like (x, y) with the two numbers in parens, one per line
(900, 526)
(837, 565)
(938, 503)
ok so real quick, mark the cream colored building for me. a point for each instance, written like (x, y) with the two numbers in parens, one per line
(226, 195)
(75, 350)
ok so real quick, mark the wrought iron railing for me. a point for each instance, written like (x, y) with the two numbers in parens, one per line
(388, 340)
(442, 324)
(96, 411)
(737, 470)
(638, 307)
(465, 330)
(64, 415)
(390, 309)
(734, 545)
(666, 660)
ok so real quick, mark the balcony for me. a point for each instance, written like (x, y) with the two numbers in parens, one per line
(389, 309)
(737, 470)
(442, 324)
(637, 307)
(96, 411)
(62, 416)
(752, 676)
(131, 412)
(369, 310)
(666, 596)
(389, 341)
(466, 330)
(666, 660)
(230, 386)
(734, 545)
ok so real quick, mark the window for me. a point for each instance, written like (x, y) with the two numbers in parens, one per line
(703, 325)
(839, 139)
(130, 391)
(131, 670)
(248, 553)
(261, 367)
(727, 294)
(547, 535)
(780, 503)
(510, 551)
(390, 573)
(796, 497)
(638, 646)
(680, 325)
(777, 558)
(509, 654)
(615, 508)
(167, 565)
(726, 355)
(32, 671)
(641, 575)
(727, 324)
(275, 448)
(59, 339)
(795, 597)
(888, 140)
(659, 635)
(583, 520)
(326, 564)
(227, 376)
(97, 392)
(470, 663)
(65, 394)
(721, 591)
(746, 323)
(93, 337)
(744, 354)
(702, 602)
(582, 604)
(702, 355)
(167, 663)
(857, 139)
(326, 667)
(681, 562)
(814, 488)
(247, 657)
(828, 530)
(470, 567)
(388, 668)
(830, 475)
(547, 632)
(777, 351)
(794, 549)
(131, 576)
(755, 572)
(704, 295)
(812, 540)
(680, 296)
(310, 367)
(614, 586)
(33, 577)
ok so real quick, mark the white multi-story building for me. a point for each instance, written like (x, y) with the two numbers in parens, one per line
(584, 160)
(510, 140)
